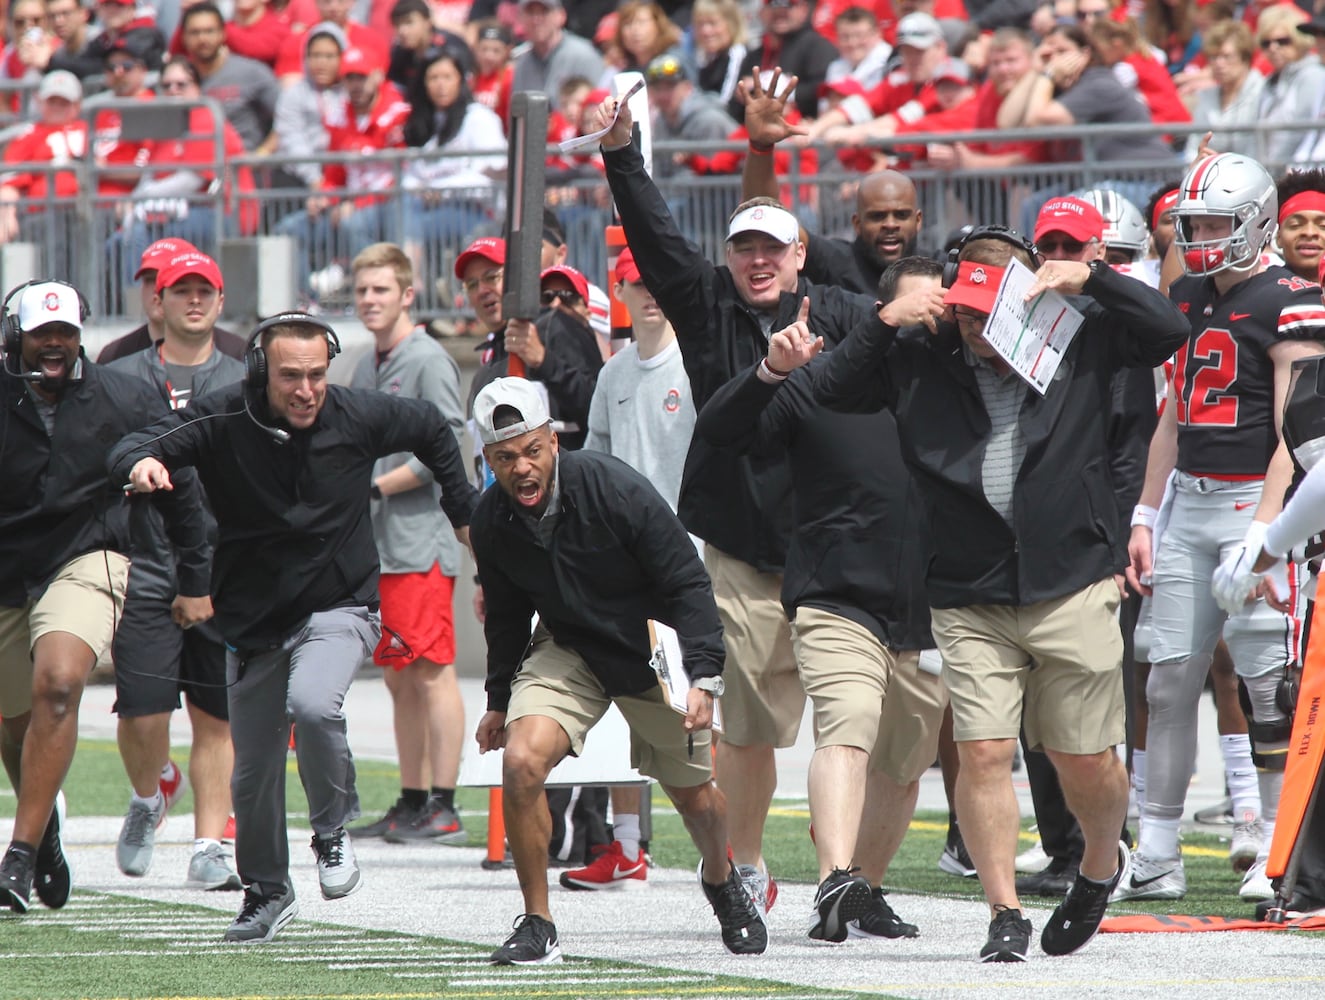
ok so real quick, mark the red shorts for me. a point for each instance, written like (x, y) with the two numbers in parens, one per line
(416, 619)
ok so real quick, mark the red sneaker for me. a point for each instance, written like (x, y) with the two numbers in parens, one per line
(609, 868)
(173, 786)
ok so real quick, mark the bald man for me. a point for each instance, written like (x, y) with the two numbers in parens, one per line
(886, 221)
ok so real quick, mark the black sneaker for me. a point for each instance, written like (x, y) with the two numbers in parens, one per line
(16, 879)
(879, 920)
(954, 860)
(533, 943)
(1051, 883)
(1301, 904)
(53, 879)
(262, 915)
(1009, 937)
(1077, 918)
(743, 929)
(399, 815)
(842, 897)
(434, 824)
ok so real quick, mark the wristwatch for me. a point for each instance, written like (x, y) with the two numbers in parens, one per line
(713, 685)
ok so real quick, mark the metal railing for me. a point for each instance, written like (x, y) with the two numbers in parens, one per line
(94, 240)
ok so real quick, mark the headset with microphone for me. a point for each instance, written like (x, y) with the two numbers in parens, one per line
(255, 362)
(11, 333)
(1004, 234)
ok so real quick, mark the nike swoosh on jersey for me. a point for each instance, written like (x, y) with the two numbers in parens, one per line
(1244, 504)
(620, 401)
(1234, 317)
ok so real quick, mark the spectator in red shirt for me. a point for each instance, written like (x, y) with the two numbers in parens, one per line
(492, 66)
(289, 64)
(58, 137)
(906, 94)
(957, 107)
(1119, 46)
(126, 67)
(255, 31)
(347, 211)
(1011, 57)
(172, 199)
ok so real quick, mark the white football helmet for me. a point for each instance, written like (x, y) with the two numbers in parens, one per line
(1124, 227)
(1231, 186)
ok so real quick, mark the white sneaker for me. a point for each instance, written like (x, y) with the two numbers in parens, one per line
(1033, 861)
(756, 885)
(337, 871)
(1255, 885)
(1246, 843)
(1152, 878)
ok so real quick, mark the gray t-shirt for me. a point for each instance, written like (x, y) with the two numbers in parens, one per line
(642, 413)
(247, 91)
(1097, 98)
(1006, 447)
(572, 56)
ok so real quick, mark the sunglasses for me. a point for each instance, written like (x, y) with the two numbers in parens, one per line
(1064, 244)
(171, 86)
(1269, 43)
(551, 295)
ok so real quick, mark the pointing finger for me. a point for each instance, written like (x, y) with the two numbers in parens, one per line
(804, 315)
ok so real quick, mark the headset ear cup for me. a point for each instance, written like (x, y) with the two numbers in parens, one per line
(255, 368)
(951, 266)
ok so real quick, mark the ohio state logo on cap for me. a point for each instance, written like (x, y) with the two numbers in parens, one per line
(978, 276)
(51, 303)
(758, 213)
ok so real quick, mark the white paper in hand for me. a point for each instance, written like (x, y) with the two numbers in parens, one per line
(581, 141)
(1033, 336)
(666, 662)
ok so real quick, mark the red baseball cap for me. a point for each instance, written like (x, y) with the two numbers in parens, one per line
(626, 268)
(976, 286)
(1079, 219)
(578, 281)
(158, 255)
(189, 262)
(489, 248)
(359, 61)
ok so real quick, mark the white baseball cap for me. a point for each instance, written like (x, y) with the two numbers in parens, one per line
(772, 220)
(60, 83)
(919, 30)
(517, 394)
(49, 302)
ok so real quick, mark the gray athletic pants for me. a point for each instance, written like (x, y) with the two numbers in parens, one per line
(304, 682)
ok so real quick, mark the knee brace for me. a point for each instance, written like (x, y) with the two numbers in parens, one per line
(1285, 692)
(1269, 737)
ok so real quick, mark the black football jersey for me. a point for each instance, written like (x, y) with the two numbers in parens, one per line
(1223, 377)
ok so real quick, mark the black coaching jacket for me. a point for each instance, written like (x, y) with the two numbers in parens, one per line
(859, 543)
(55, 501)
(617, 557)
(740, 504)
(1065, 534)
(294, 530)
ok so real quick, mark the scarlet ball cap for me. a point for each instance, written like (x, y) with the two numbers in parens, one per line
(489, 248)
(185, 264)
(577, 280)
(159, 254)
(626, 268)
(976, 286)
(1078, 219)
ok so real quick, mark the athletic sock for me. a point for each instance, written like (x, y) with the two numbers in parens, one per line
(1271, 784)
(155, 802)
(168, 770)
(1159, 837)
(446, 796)
(625, 828)
(415, 798)
(1240, 776)
(202, 843)
(1139, 778)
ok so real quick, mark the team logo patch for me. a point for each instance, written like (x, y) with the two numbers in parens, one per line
(51, 303)
(673, 401)
(1184, 307)
(394, 387)
(978, 276)
(758, 213)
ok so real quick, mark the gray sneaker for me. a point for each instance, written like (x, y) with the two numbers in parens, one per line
(133, 853)
(211, 869)
(337, 871)
(262, 917)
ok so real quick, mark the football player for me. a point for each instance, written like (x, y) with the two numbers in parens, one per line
(1249, 323)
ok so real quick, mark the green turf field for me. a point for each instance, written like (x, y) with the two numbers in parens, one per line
(97, 787)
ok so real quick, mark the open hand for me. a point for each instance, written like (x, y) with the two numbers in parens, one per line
(765, 110)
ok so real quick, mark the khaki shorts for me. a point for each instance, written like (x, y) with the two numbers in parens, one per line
(85, 599)
(556, 683)
(1055, 666)
(868, 697)
(764, 700)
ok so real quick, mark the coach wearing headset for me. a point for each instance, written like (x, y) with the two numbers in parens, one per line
(1024, 544)
(287, 462)
(63, 565)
